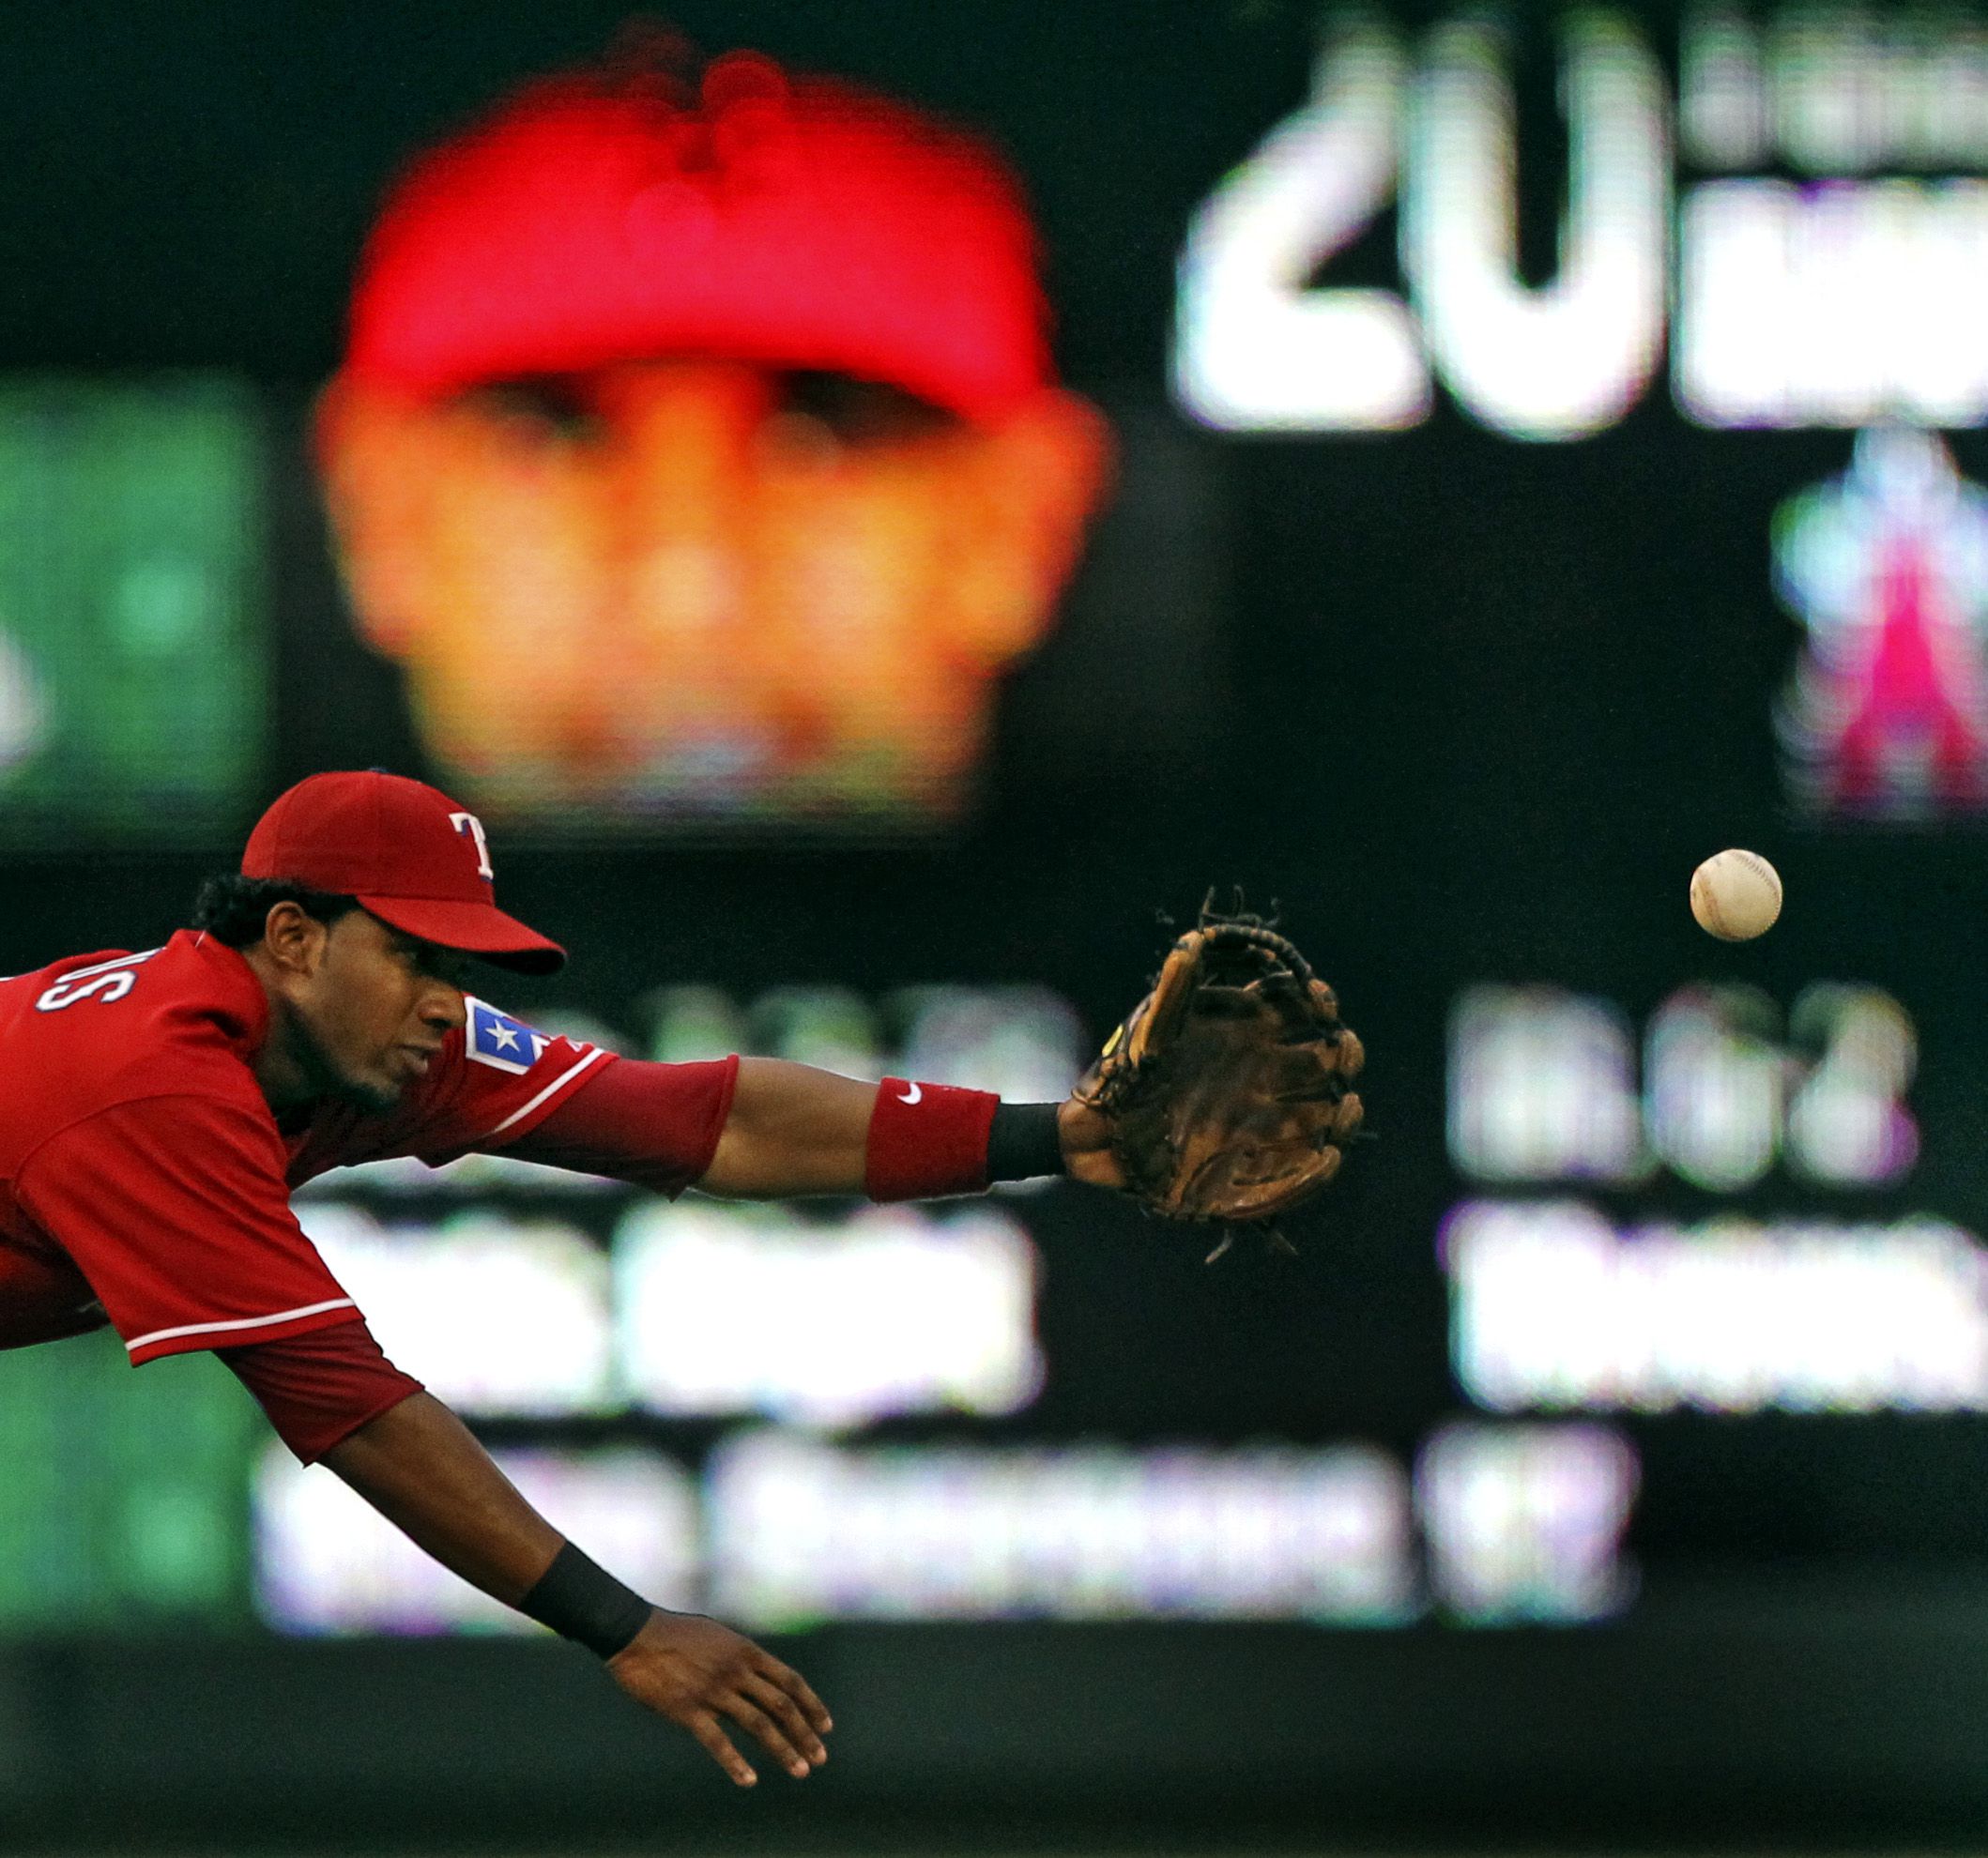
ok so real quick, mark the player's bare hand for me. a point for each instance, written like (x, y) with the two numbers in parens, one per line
(699, 1673)
(1086, 1138)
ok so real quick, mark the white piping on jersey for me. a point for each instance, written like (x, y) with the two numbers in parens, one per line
(132, 1347)
(558, 1083)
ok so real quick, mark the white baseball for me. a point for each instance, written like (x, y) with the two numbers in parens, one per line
(1735, 895)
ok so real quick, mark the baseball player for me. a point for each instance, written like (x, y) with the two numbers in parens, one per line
(157, 1107)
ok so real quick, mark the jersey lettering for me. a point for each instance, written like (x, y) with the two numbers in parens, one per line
(105, 982)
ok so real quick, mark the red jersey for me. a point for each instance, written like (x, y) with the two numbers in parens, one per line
(139, 1165)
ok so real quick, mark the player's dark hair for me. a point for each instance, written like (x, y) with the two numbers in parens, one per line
(233, 908)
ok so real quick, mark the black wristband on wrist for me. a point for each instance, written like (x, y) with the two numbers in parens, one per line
(1024, 1142)
(581, 1601)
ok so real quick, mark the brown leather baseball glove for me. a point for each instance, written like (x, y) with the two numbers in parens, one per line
(1227, 1088)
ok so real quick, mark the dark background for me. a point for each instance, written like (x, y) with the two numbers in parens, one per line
(1467, 709)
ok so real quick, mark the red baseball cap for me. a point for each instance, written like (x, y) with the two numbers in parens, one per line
(405, 852)
(796, 223)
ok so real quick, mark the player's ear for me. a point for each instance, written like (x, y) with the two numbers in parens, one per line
(292, 937)
(373, 462)
(1041, 472)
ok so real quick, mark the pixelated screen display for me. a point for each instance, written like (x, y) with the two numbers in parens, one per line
(135, 635)
(1544, 458)
(178, 630)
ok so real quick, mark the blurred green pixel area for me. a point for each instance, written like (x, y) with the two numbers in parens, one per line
(133, 662)
(124, 1495)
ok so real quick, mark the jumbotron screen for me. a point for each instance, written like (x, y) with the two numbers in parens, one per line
(1537, 460)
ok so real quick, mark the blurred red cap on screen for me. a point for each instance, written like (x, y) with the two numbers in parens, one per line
(797, 222)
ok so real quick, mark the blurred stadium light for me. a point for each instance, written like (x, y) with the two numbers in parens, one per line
(1554, 1306)
(803, 1530)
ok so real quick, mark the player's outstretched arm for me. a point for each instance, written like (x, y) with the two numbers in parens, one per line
(422, 1469)
(793, 1130)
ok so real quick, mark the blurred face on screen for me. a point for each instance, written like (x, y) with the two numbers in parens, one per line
(668, 493)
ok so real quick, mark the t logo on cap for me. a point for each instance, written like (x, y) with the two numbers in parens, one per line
(468, 822)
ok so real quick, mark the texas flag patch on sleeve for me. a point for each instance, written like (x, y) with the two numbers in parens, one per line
(502, 1042)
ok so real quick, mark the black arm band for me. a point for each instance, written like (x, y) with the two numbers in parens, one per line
(1024, 1142)
(581, 1601)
